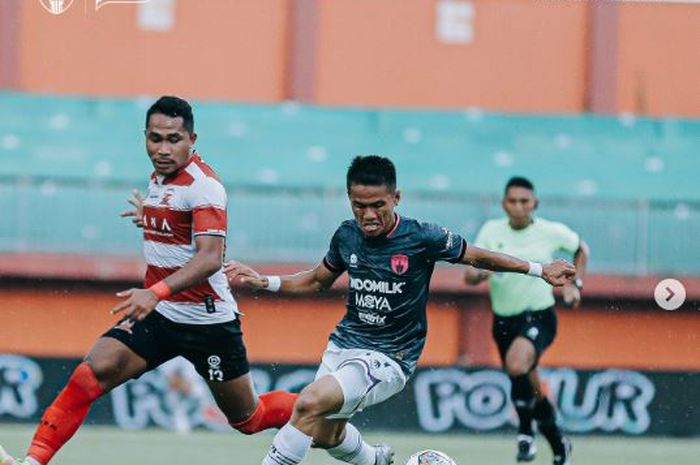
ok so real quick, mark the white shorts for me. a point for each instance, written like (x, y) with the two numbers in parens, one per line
(365, 376)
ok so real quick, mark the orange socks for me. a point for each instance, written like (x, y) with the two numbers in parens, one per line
(273, 411)
(65, 415)
(68, 411)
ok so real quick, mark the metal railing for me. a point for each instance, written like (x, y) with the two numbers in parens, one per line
(295, 225)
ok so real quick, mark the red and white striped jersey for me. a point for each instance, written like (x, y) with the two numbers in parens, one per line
(176, 210)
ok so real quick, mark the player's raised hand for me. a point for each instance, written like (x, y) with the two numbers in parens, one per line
(558, 273)
(238, 273)
(136, 214)
(138, 304)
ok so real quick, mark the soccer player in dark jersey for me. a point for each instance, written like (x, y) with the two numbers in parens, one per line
(185, 308)
(375, 347)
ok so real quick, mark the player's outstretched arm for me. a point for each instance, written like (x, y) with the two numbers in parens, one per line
(313, 280)
(136, 214)
(474, 276)
(556, 273)
(207, 260)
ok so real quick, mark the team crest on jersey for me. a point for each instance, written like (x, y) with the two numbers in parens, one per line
(399, 263)
(165, 201)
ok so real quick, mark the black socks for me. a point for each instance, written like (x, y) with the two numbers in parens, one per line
(545, 416)
(523, 397)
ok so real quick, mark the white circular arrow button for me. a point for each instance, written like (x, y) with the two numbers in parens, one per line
(669, 294)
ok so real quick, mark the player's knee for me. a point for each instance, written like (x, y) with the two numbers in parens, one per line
(309, 403)
(105, 370)
(109, 368)
(517, 368)
(518, 364)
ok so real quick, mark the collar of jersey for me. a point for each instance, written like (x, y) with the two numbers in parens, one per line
(163, 180)
(397, 221)
(533, 220)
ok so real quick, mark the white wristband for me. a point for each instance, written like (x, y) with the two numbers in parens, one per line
(535, 269)
(273, 283)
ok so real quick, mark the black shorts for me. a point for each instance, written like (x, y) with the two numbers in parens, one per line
(216, 351)
(540, 327)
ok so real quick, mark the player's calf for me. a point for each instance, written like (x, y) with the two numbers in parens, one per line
(65, 415)
(564, 458)
(545, 415)
(273, 411)
(315, 402)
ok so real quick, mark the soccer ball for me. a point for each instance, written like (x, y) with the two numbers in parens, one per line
(430, 457)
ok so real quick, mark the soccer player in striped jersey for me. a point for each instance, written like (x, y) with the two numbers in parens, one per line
(375, 347)
(185, 307)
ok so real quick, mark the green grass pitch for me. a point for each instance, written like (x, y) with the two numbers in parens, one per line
(110, 446)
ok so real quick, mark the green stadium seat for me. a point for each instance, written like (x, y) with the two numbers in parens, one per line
(627, 183)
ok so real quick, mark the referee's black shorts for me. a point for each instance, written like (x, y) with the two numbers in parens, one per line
(540, 327)
(216, 350)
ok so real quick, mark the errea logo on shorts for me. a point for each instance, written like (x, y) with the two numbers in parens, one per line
(215, 373)
(533, 332)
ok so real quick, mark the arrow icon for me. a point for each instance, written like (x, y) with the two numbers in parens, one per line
(671, 294)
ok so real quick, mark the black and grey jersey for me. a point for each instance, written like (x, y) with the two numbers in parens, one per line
(388, 285)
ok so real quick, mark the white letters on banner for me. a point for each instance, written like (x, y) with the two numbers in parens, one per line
(20, 377)
(444, 398)
(612, 400)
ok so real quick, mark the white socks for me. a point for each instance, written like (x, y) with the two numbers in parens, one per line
(353, 449)
(288, 448)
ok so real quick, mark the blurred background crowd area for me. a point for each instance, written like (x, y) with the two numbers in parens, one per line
(597, 102)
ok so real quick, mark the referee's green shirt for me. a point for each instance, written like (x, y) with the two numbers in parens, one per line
(513, 293)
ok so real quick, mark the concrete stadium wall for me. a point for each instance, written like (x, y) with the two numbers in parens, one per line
(525, 55)
(659, 65)
(214, 50)
(621, 332)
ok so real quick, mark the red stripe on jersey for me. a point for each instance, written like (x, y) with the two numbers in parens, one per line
(195, 294)
(209, 218)
(182, 178)
(167, 226)
(206, 169)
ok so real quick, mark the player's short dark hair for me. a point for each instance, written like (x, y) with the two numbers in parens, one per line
(173, 107)
(371, 170)
(519, 181)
